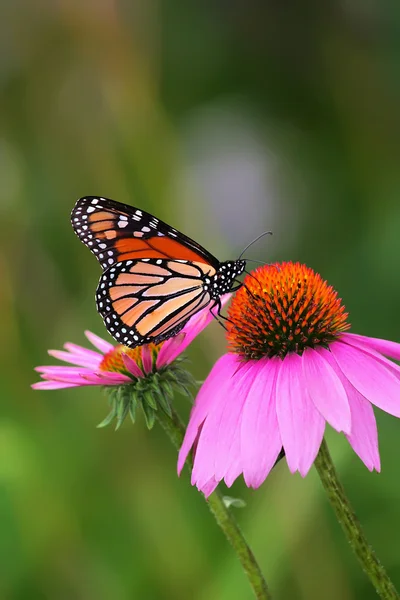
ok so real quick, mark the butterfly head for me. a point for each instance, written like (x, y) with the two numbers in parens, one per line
(225, 276)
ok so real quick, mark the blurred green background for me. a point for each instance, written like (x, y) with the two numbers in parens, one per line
(224, 119)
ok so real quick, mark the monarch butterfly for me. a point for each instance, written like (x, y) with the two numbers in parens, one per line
(154, 277)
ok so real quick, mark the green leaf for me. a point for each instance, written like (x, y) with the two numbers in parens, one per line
(149, 398)
(132, 408)
(164, 403)
(149, 415)
(235, 502)
(167, 389)
(122, 410)
(184, 390)
(108, 418)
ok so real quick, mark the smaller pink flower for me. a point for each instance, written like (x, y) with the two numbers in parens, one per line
(117, 365)
(122, 368)
(291, 369)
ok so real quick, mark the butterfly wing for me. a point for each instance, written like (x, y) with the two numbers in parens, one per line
(117, 232)
(150, 300)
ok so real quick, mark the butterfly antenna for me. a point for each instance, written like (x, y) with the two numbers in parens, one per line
(260, 262)
(254, 241)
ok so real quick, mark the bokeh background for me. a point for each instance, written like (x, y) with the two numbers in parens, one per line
(224, 119)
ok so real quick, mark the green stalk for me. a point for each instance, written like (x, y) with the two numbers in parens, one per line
(175, 430)
(352, 527)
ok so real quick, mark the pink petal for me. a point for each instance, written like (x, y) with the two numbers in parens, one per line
(58, 370)
(227, 458)
(364, 433)
(393, 367)
(131, 366)
(218, 451)
(209, 487)
(107, 378)
(391, 349)
(73, 375)
(98, 342)
(209, 446)
(222, 371)
(206, 449)
(369, 376)
(52, 385)
(73, 379)
(76, 359)
(326, 389)
(301, 425)
(235, 467)
(170, 350)
(75, 349)
(260, 437)
(147, 359)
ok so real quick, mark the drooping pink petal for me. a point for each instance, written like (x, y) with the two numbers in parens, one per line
(98, 342)
(75, 379)
(213, 457)
(228, 439)
(393, 367)
(52, 385)
(236, 466)
(196, 324)
(147, 359)
(75, 349)
(107, 378)
(60, 370)
(300, 423)
(76, 359)
(68, 374)
(206, 450)
(364, 433)
(221, 371)
(326, 389)
(260, 437)
(209, 487)
(170, 350)
(369, 376)
(131, 365)
(386, 347)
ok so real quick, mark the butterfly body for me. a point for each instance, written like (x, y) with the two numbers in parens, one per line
(154, 277)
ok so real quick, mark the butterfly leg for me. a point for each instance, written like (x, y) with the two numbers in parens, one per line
(240, 284)
(218, 316)
(237, 287)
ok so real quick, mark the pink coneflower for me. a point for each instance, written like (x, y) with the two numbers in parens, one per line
(143, 375)
(291, 368)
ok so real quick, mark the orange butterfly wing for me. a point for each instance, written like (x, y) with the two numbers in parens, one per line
(116, 232)
(149, 300)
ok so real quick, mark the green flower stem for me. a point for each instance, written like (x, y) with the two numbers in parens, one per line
(175, 430)
(351, 526)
